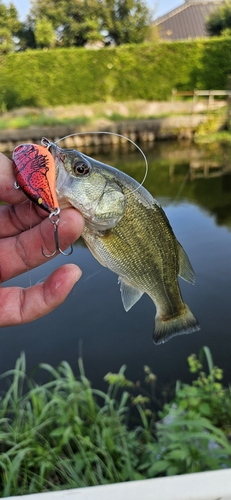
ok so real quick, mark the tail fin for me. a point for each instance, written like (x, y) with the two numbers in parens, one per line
(184, 323)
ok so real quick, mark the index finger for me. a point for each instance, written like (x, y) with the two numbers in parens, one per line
(7, 191)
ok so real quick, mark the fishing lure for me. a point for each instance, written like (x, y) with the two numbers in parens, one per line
(35, 173)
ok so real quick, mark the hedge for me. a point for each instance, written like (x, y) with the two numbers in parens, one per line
(149, 71)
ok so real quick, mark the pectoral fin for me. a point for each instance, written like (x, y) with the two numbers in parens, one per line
(129, 294)
(185, 271)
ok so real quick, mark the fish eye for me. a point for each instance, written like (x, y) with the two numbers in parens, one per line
(81, 168)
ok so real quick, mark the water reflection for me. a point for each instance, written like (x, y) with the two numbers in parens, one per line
(93, 321)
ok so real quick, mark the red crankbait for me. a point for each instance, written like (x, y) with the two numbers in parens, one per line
(35, 173)
(34, 169)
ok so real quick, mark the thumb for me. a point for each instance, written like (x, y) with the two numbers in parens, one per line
(19, 305)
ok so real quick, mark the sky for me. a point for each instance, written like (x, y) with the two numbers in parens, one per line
(161, 6)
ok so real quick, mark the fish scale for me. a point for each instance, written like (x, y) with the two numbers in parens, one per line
(143, 250)
(128, 231)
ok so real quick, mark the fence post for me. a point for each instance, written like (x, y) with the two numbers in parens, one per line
(174, 91)
(229, 104)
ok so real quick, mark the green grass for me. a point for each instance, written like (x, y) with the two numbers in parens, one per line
(81, 114)
(119, 117)
(214, 129)
(66, 434)
(39, 120)
(224, 136)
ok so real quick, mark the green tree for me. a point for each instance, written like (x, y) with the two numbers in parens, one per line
(77, 22)
(126, 21)
(26, 36)
(9, 27)
(219, 22)
(44, 33)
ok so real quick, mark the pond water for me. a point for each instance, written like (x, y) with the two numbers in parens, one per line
(193, 184)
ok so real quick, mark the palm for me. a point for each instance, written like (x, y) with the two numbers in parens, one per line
(24, 229)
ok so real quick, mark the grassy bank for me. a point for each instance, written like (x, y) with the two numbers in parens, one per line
(223, 136)
(66, 434)
(98, 116)
(87, 115)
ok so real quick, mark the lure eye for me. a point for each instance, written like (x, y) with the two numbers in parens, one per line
(81, 168)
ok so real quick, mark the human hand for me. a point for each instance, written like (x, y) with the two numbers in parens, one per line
(24, 229)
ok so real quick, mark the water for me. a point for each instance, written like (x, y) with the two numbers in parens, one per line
(193, 185)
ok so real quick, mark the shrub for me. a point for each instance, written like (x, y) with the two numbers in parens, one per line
(147, 71)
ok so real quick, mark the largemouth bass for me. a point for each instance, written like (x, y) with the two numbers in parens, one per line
(127, 231)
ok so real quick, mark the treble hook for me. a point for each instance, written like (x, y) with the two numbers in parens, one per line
(55, 218)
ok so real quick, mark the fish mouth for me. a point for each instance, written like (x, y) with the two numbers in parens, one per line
(57, 155)
(53, 148)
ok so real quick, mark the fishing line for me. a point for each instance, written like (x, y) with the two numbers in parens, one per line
(122, 137)
(41, 280)
(29, 242)
(182, 186)
(184, 181)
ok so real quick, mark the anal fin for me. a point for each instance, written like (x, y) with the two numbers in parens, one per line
(186, 271)
(129, 294)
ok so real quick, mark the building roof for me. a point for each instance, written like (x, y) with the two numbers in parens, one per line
(187, 20)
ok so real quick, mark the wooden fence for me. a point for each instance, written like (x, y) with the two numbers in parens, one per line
(210, 94)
